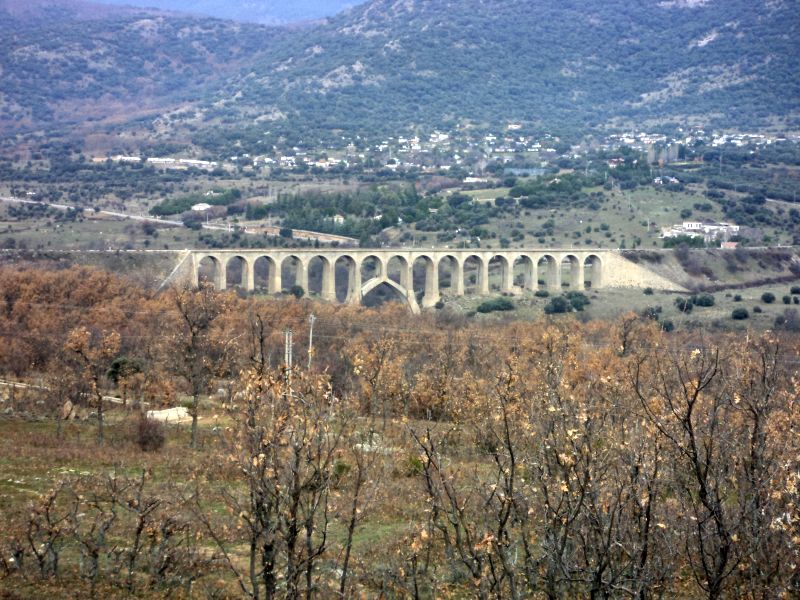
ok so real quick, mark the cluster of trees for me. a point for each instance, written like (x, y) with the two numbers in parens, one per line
(214, 197)
(59, 175)
(366, 211)
(426, 458)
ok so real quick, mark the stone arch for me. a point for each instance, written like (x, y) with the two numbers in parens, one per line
(502, 281)
(401, 291)
(592, 272)
(237, 273)
(372, 267)
(426, 282)
(347, 274)
(548, 272)
(266, 275)
(571, 272)
(524, 272)
(475, 272)
(209, 270)
(450, 275)
(293, 273)
(399, 271)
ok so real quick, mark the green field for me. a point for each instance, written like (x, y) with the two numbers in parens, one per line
(627, 219)
(488, 195)
(608, 304)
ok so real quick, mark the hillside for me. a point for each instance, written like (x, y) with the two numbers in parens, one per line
(555, 63)
(391, 64)
(84, 63)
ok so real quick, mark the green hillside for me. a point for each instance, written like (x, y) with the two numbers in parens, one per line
(557, 63)
(385, 65)
(74, 67)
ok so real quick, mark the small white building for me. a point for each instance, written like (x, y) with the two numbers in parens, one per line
(201, 207)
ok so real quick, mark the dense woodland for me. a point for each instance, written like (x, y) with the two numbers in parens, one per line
(387, 66)
(401, 457)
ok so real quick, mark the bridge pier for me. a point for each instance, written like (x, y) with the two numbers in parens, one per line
(407, 276)
(457, 278)
(483, 278)
(274, 278)
(328, 291)
(431, 294)
(249, 275)
(353, 283)
(554, 284)
(577, 276)
(301, 277)
(530, 278)
(506, 277)
(220, 277)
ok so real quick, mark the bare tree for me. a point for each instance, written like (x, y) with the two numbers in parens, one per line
(192, 352)
(283, 450)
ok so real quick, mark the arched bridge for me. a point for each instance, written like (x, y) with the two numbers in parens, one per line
(419, 276)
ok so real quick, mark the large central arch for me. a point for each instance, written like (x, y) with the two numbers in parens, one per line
(378, 281)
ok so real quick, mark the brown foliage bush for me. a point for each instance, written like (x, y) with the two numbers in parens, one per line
(149, 434)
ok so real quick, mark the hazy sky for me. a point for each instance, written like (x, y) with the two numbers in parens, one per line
(259, 11)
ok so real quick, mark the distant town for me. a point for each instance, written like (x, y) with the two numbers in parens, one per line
(460, 153)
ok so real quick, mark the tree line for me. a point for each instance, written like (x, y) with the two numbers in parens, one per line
(432, 456)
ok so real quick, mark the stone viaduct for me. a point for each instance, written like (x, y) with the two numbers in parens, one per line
(414, 272)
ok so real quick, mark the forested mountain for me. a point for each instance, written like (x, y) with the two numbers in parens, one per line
(567, 62)
(389, 64)
(70, 63)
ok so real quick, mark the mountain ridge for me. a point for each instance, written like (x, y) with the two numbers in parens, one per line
(547, 62)
(390, 65)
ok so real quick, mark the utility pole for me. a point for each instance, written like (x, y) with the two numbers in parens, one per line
(311, 320)
(287, 356)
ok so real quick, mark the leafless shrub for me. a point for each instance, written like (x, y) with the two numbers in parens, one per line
(149, 434)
